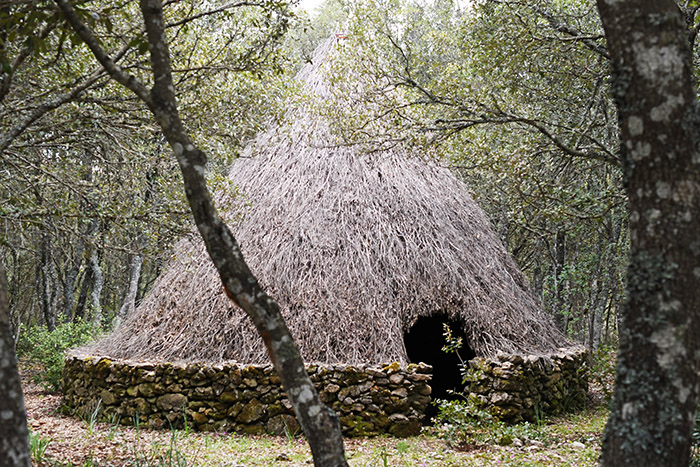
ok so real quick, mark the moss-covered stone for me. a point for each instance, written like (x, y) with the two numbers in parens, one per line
(283, 424)
(251, 412)
(369, 399)
(356, 426)
(108, 397)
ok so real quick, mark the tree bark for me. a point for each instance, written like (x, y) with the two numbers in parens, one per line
(85, 283)
(71, 277)
(319, 423)
(559, 258)
(656, 391)
(95, 295)
(598, 299)
(14, 434)
(76, 264)
(48, 284)
(135, 265)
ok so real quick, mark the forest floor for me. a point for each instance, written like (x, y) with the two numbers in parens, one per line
(60, 440)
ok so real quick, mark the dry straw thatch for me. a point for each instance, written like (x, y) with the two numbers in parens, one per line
(355, 247)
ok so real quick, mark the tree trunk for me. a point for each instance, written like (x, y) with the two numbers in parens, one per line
(13, 287)
(596, 322)
(95, 295)
(14, 435)
(656, 391)
(48, 284)
(559, 257)
(598, 299)
(85, 284)
(149, 274)
(132, 290)
(318, 422)
(71, 277)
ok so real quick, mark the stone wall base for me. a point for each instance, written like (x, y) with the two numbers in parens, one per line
(369, 399)
(516, 388)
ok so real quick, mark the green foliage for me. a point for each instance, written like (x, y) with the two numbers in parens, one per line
(37, 447)
(458, 420)
(452, 343)
(524, 116)
(90, 417)
(45, 349)
(695, 447)
(602, 372)
(465, 421)
(162, 456)
(95, 174)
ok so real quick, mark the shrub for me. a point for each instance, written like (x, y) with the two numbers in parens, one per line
(45, 350)
(459, 420)
(695, 446)
(37, 447)
(603, 370)
(463, 422)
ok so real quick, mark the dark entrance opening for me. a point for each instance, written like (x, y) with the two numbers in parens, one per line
(424, 342)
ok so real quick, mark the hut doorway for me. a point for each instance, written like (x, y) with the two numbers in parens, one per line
(424, 342)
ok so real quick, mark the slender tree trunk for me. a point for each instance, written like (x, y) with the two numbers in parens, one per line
(85, 284)
(71, 277)
(149, 274)
(596, 324)
(48, 283)
(656, 390)
(319, 423)
(559, 257)
(96, 294)
(14, 313)
(614, 301)
(14, 435)
(598, 300)
(132, 290)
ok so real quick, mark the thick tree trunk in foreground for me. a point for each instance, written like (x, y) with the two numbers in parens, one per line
(319, 423)
(656, 390)
(14, 435)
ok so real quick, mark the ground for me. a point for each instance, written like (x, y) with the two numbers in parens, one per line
(59, 440)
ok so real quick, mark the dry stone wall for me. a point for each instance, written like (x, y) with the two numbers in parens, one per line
(369, 400)
(516, 388)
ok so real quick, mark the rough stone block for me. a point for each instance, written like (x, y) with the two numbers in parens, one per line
(171, 401)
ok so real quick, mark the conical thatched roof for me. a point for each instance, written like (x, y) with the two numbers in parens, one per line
(353, 246)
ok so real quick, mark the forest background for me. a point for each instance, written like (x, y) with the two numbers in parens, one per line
(516, 97)
(513, 96)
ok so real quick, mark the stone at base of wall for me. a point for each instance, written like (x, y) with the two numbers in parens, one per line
(369, 399)
(515, 388)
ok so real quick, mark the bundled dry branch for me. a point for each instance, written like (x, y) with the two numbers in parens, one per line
(353, 246)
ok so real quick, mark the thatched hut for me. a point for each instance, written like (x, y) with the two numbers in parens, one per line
(368, 255)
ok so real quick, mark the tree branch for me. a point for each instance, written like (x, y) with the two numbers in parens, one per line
(574, 34)
(214, 11)
(85, 33)
(44, 108)
(319, 423)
